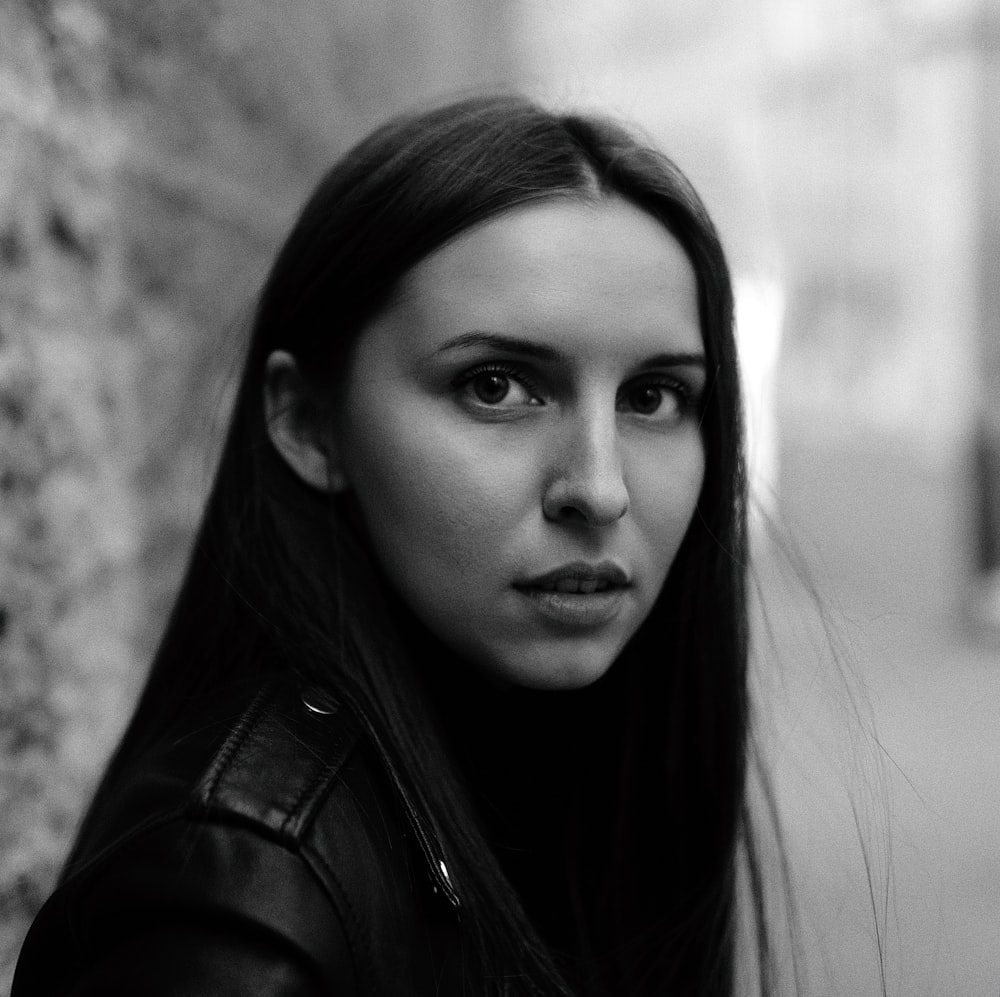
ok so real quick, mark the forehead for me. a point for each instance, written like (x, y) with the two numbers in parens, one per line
(562, 270)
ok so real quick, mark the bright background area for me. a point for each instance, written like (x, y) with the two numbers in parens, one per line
(151, 156)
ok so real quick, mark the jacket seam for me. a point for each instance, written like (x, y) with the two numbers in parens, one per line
(308, 796)
(227, 753)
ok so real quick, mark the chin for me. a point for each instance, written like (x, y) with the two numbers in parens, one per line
(555, 672)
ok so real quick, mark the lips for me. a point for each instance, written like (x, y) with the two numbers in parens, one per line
(578, 595)
(578, 577)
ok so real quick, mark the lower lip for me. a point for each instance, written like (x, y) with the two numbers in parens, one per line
(577, 609)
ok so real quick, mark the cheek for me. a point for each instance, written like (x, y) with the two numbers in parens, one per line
(429, 497)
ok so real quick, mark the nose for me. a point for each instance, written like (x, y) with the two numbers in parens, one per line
(587, 481)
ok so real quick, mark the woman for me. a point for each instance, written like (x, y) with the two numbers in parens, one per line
(453, 697)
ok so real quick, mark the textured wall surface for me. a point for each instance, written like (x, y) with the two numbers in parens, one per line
(151, 156)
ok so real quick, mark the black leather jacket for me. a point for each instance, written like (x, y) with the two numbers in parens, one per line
(276, 854)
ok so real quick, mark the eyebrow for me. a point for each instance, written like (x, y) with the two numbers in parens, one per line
(539, 351)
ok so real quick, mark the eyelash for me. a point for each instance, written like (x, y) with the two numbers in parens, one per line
(504, 370)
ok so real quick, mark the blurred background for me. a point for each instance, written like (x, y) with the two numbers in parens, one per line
(153, 154)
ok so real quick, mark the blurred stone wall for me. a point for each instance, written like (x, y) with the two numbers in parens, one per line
(151, 156)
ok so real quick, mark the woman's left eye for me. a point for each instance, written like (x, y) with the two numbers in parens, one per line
(663, 400)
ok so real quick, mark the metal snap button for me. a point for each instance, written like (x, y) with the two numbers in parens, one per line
(318, 701)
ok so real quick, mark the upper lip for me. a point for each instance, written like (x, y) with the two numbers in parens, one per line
(606, 572)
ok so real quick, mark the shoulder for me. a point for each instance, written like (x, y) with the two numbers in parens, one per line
(265, 762)
(304, 770)
(278, 763)
(282, 819)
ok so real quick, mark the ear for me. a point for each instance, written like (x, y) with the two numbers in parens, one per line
(297, 426)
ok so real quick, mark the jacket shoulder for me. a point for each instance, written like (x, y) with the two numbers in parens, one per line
(193, 878)
(278, 763)
(304, 769)
(274, 826)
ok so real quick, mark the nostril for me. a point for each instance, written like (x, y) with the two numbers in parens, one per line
(585, 507)
(571, 513)
(588, 487)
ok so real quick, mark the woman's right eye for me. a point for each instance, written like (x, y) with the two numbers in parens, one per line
(496, 388)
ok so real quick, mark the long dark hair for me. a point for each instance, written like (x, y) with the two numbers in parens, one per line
(279, 580)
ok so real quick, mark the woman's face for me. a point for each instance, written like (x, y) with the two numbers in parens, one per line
(520, 432)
